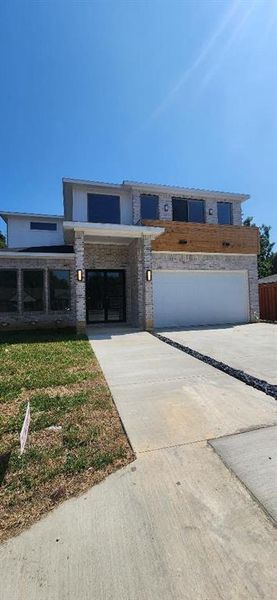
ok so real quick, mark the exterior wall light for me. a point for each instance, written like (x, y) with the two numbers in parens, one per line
(79, 274)
(148, 275)
(211, 212)
(166, 208)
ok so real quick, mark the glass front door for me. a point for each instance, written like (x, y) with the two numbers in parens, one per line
(105, 291)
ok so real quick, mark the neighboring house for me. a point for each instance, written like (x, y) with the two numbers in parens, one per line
(147, 255)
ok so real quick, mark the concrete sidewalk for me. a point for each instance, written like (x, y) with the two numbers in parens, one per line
(175, 524)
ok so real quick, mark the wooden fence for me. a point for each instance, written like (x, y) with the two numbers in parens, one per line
(268, 301)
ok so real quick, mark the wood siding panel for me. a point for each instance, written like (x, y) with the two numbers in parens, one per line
(203, 237)
(268, 301)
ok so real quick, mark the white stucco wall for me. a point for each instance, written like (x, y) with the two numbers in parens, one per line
(80, 208)
(20, 234)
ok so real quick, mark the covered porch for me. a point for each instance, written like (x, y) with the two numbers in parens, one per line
(113, 273)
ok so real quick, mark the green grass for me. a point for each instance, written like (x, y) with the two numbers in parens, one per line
(75, 435)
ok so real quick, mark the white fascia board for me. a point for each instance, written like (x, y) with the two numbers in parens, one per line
(88, 183)
(8, 254)
(107, 229)
(6, 213)
(189, 192)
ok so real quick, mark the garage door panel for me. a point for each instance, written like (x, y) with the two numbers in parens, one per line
(183, 298)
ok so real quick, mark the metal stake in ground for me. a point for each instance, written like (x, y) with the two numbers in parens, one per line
(25, 429)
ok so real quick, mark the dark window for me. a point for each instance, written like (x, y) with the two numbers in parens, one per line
(224, 213)
(103, 208)
(8, 291)
(43, 226)
(33, 293)
(196, 211)
(188, 210)
(59, 290)
(149, 206)
(179, 209)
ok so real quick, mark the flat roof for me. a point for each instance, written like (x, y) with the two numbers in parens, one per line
(178, 190)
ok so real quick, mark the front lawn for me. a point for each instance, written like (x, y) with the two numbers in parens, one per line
(75, 437)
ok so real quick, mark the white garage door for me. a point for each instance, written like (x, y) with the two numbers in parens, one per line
(183, 298)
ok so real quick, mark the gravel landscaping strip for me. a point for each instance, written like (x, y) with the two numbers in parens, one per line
(258, 384)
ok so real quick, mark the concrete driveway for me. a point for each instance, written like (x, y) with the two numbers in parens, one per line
(251, 348)
(175, 524)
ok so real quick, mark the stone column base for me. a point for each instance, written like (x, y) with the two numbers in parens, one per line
(149, 325)
(81, 327)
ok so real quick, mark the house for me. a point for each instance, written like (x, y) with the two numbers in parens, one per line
(148, 255)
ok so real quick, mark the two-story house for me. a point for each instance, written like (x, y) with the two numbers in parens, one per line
(148, 255)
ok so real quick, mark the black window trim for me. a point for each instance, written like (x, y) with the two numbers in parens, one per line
(48, 226)
(158, 206)
(188, 201)
(12, 312)
(231, 212)
(34, 312)
(104, 194)
(60, 311)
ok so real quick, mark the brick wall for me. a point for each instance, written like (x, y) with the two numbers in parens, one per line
(36, 319)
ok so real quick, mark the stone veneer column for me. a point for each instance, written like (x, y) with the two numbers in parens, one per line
(211, 205)
(79, 248)
(237, 213)
(165, 200)
(148, 285)
(136, 207)
(253, 289)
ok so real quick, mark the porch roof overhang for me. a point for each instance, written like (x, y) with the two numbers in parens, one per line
(109, 233)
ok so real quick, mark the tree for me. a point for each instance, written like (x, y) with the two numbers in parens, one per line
(274, 264)
(2, 240)
(266, 256)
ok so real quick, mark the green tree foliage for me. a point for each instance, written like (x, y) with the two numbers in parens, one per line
(267, 258)
(2, 240)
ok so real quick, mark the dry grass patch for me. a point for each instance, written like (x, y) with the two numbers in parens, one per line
(76, 437)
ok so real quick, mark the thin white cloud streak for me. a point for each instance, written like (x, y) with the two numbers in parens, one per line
(224, 47)
(198, 61)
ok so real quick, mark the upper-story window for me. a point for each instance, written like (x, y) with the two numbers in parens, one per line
(149, 206)
(103, 208)
(224, 213)
(43, 226)
(188, 210)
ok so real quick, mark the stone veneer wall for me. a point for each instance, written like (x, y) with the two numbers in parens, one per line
(165, 200)
(218, 262)
(36, 319)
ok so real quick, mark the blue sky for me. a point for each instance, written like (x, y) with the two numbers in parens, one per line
(172, 92)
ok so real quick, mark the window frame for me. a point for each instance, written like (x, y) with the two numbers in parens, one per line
(38, 226)
(89, 210)
(40, 311)
(16, 311)
(230, 204)
(189, 202)
(152, 196)
(59, 310)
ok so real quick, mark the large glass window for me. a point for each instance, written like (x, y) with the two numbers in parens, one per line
(149, 206)
(179, 209)
(188, 210)
(33, 290)
(8, 290)
(59, 290)
(196, 211)
(224, 213)
(103, 208)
